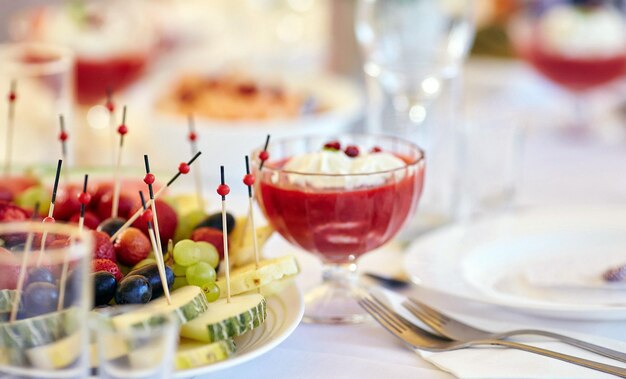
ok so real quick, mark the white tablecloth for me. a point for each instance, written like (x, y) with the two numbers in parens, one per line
(555, 171)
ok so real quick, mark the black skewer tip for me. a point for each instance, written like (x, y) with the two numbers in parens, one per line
(56, 181)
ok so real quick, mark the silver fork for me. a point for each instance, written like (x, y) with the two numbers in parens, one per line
(459, 331)
(418, 338)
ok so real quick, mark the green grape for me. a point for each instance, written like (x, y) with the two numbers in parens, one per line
(27, 199)
(209, 253)
(211, 292)
(200, 274)
(187, 223)
(187, 253)
(179, 281)
(179, 271)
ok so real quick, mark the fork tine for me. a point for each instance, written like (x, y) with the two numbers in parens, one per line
(427, 318)
(428, 309)
(382, 321)
(383, 312)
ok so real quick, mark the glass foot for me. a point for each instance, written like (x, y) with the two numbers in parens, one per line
(335, 300)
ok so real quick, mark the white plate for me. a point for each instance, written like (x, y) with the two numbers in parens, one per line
(543, 261)
(284, 312)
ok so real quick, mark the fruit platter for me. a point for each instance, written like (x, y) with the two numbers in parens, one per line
(151, 246)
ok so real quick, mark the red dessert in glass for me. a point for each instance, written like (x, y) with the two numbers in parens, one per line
(339, 204)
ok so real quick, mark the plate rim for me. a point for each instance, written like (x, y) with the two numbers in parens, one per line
(255, 353)
(594, 312)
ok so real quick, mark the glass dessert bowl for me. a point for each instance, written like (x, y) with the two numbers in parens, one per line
(339, 198)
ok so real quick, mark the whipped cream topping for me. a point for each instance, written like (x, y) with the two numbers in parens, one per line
(574, 32)
(337, 163)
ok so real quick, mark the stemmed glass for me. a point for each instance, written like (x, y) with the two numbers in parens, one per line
(338, 217)
(578, 45)
(413, 51)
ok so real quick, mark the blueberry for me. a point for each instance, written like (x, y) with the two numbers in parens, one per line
(40, 275)
(111, 225)
(40, 298)
(215, 221)
(104, 287)
(133, 289)
(151, 272)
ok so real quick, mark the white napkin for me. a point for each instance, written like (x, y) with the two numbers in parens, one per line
(500, 363)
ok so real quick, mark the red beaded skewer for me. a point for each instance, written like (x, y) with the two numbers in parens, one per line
(63, 137)
(138, 213)
(149, 180)
(111, 108)
(249, 180)
(224, 190)
(22, 274)
(193, 137)
(264, 154)
(11, 98)
(121, 130)
(50, 218)
(83, 198)
(147, 215)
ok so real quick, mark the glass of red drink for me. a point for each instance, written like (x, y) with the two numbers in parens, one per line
(579, 45)
(338, 211)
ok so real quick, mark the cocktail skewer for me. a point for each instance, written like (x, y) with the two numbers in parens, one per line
(249, 180)
(83, 198)
(263, 156)
(147, 213)
(139, 211)
(63, 137)
(22, 275)
(11, 98)
(121, 130)
(50, 217)
(110, 105)
(194, 150)
(224, 190)
(149, 180)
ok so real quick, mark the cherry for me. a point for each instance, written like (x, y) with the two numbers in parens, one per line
(149, 178)
(352, 151)
(223, 190)
(249, 180)
(333, 145)
(183, 168)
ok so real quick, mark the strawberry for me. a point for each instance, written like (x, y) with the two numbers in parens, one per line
(168, 221)
(107, 265)
(103, 247)
(11, 212)
(132, 246)
(212, 236)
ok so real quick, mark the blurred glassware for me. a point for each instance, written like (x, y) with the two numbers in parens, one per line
(580, 45)
(491, 152)
(142, 351)
(44, 90)
(413, 52)
(46, 296)
(113, 41)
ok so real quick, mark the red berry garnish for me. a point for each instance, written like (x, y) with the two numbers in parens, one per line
(264, 155)
(192, 136)
(249, 180)
(149, 178)
(332, 145)
(12, 97)
(63, 136)
(376, 149)
(49, 220)
(122, 129)
(352, 151)
(223, 189)
(110, 106)
(183, 168)
(147, 216)
(84, 198)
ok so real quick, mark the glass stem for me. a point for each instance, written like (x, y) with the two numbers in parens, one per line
(343, 275)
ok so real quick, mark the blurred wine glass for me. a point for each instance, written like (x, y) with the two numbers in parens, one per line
(579, 45)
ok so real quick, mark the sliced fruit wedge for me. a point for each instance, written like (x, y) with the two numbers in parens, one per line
(224, 320)
(248, 278)
(40, 330)
(241, 245)
(192, 354)
(56, 355)
(188, 303)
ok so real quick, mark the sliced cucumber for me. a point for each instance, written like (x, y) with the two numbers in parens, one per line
(192, 354)
(187, 303)
(224, 320)
(6, 300)
(56, 355)
(249, 278)
(40, 330)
